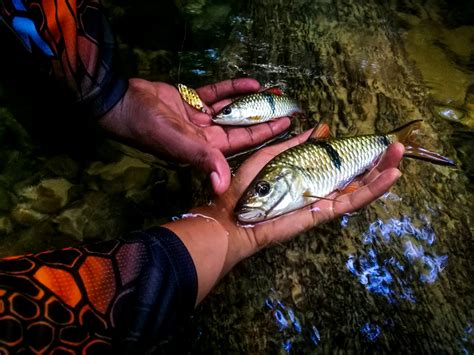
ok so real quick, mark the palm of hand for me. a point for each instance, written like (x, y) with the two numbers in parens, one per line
(252, 238)
(215, 96)
(154, 117)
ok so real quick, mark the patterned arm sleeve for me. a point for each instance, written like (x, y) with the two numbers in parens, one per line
(111, 297)
(74, 44)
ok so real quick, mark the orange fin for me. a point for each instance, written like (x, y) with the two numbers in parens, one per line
(255, 118)
(351, 187)
(404, 135)
(321, 131)
(308, 195)
(274, 90)
(417, 152)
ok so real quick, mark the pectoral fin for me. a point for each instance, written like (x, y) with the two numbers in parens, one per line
(351, 187)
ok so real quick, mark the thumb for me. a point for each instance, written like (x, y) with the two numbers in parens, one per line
(213, 162)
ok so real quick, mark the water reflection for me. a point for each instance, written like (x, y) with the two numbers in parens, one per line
(315, 336)
(289, 324)
(370, 331)
(398, 255)
(467, 340)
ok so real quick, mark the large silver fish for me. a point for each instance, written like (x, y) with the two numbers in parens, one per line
(299, 175)
(257, 108)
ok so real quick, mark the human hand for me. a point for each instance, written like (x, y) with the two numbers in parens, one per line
(246, 240)
(153, 117)
(216, 242)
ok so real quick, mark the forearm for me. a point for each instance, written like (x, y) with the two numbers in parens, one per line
(120, 294)
(208, 244)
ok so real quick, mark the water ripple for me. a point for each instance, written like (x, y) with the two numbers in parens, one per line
(292, 330)
(398, 255)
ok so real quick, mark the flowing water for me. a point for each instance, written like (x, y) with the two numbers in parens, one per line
(395, 276)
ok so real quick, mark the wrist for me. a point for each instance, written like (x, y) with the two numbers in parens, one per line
(214, 242)
(207, 243)
(237, 247)
(115, 120)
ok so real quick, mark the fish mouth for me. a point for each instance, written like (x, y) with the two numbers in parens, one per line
(248, 214)
(216, 119)
(221, 120)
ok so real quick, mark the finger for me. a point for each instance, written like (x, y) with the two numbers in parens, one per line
(283, 227)
(224, 89)
(368, 193)
(242, 138)
(213, 162)
(201, 119)
(390, 159)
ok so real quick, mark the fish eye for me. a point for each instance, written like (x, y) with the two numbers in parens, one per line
(227, 111)
(262, 188)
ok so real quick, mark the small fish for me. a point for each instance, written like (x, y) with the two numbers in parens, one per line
(307, 172)
(257, 108)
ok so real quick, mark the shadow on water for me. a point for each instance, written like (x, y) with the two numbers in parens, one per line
(394, 276)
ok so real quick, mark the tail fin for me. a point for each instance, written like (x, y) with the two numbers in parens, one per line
(417, 152)
(404, 134)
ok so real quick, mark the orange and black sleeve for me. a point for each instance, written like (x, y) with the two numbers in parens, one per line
(72, 43)
(112, 297)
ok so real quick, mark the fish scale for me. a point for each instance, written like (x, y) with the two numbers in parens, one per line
(267, 105)
(319, 167)
(356, 154)
(257, 108)
(312, 170)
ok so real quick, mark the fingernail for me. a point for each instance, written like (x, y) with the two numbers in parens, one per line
(215, 179)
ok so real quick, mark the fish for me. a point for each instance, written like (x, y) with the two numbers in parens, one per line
(257, 108)
(310, 171)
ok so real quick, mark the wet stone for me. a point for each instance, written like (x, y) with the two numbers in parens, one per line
(5, 200)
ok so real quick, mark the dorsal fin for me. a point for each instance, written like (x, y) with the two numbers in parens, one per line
(321, 131)
(274, 90)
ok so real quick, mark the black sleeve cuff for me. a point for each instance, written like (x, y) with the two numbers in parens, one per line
(181, 263)
(165, 293)
(111, 92)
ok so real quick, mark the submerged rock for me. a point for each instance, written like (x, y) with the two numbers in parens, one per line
(97, 216)
(63, 166)
(24, 215)
(126, 174)
(49, 196)
(451, 113)
(461, 115)
(6, 225)
(5, 200)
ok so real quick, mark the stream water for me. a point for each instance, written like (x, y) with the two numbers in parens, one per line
(393, 277)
